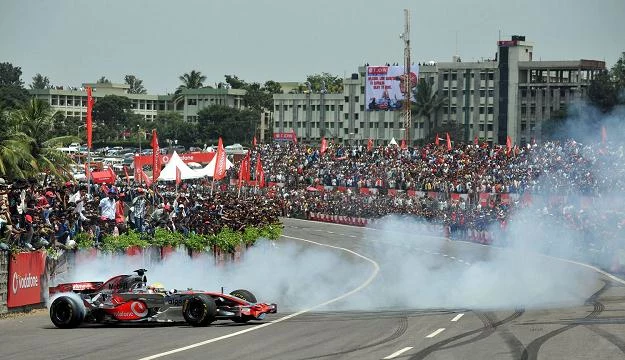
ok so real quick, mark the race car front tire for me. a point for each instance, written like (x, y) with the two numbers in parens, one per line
(199, 310)
(66, 312)
(247, 296)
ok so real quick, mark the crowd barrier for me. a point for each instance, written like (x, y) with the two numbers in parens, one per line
(24, 277)
(338, 219)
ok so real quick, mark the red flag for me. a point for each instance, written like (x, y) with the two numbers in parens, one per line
(448, 142)
(324, 145)
(254, 142)
(403, 144)
(156, 159)
(604, 135)
(436, 140)
(294, 137)
(260, 174)
(178, 176)
(89, 119)
(126, 173)
(370, 144)
(87, 172)
(475, 141)
(220, 162)
(244, 170)
(113, 175)
(146, 179)
(508, 144)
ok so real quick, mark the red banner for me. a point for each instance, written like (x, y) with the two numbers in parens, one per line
(26, 271)
(285, 136)
(89, 117)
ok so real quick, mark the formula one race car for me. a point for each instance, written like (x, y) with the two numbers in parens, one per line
(128, 298)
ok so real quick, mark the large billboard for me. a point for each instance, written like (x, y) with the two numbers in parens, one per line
(384, 87)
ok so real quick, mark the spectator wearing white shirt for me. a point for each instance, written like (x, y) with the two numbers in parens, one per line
(108, 206)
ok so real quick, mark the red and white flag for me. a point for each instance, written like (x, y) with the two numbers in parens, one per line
(436, 141)
(244, 170)
(254, 142)
(508, 144)
(156, 159)
(475, 141)
(370, 144)
(220, 162)
(178, 176)
(260, 174)
(403, 144)
(89, 118)
(324, 145)
(126, 173)
(448, 142)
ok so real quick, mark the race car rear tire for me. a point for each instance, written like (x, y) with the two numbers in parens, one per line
(245, 295)
(66, 312)
(199, 310)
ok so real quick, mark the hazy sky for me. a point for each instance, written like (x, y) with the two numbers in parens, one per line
(73, 42)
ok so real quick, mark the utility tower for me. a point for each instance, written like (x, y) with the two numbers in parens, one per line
(407, 83)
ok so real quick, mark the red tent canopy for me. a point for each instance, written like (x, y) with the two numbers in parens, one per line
(107, 176)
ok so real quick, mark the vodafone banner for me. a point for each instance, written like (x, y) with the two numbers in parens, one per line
(25, 273)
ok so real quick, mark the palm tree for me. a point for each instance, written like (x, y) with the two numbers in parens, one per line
(15, 158)
(136, 85)
(427, 103)
(192, 80)
(35, 120)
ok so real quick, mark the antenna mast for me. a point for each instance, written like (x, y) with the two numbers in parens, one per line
(407, 80)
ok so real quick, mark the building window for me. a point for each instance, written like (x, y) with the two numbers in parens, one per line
(189, 102)
(481, 127)
(454, 76)
(346, 116)
(356, 98)
(347, 99)
(453, 110)
(445, 110)
(482, 76)
(482, 92)
(285, 107)
(340, 107)
(454, 93)
(491, 110)
(332, 107)
(490, 127)
(446, 76)
(491, 92)
(491, 76)
(482, 110)
(362, 89)
(304, 108)
(356, 116)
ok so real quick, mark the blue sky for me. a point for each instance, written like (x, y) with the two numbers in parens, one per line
(73, 41)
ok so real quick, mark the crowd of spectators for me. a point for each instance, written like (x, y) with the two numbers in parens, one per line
(33, 215)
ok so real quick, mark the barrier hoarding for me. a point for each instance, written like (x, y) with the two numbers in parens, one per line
(384, 87)
(26, 272)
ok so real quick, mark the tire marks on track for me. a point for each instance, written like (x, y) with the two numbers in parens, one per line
(490, 323)
(532, 349)
(402, 326)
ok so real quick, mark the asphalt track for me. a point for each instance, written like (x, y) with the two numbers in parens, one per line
(593, 329)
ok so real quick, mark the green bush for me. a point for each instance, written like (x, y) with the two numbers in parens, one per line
(250, 235)
(164, 237)
(271, 232)
(123, 241)
(228, 239)
(84, 241)
(197, 242)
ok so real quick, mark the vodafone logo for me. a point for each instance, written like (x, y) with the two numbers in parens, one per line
(165, 159)
(138, 308)
(24, 282)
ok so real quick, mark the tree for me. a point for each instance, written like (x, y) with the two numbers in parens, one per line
(273, 87)
(35, 120)
(136, 85)
(618, 75)
(111, 115)
(231, 124)
(235, 82)
(192, 80)
(15, 158)
(427, 103)
(171, 125)
(603, 92)
(13, 97)
(40, 82)
(12, 92)
(257, 98)
(333, 83)
(10, 75)
(103, 80)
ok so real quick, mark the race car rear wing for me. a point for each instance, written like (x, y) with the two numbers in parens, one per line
(77, 287)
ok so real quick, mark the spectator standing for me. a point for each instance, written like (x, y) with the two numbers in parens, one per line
(108, 206)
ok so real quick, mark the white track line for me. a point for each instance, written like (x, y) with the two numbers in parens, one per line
(376, 269)
(435, 333)
(457, 317)
(398, 352)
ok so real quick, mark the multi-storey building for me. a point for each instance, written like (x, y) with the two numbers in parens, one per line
(73, 102)
(510, 95)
